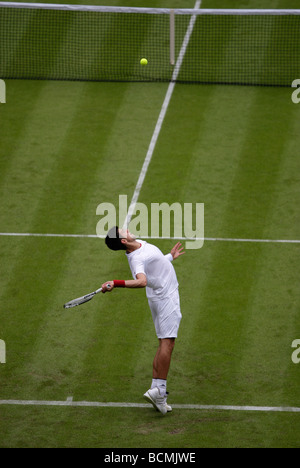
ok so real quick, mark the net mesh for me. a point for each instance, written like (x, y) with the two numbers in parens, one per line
(57, 44)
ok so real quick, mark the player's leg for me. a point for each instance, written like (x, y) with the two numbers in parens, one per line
(162, 360)
(157, 395)
(166, 317)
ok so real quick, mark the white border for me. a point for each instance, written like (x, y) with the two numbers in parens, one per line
(178, 11)
(95, 236)
(96, 404)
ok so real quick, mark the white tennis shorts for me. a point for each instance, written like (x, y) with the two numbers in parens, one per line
(166, 315)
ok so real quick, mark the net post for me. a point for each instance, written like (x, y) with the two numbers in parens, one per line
(172, 37)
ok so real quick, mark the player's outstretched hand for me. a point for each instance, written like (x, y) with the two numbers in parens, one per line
(177, 251)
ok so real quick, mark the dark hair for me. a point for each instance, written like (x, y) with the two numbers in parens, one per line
(113, 240)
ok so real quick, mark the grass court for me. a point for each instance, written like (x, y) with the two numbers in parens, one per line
(68, 146)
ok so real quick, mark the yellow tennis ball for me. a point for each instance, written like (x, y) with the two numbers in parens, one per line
(144, 61)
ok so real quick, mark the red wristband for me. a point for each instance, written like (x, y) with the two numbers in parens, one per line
(119, 283)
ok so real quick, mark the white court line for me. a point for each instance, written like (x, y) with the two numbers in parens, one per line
(96, 404)
(95, 236)
(161, 118)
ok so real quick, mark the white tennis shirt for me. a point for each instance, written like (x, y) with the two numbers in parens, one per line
(160, 273)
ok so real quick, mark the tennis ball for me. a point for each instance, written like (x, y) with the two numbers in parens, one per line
(144, 61)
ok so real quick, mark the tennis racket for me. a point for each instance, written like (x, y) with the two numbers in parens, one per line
(83, 299)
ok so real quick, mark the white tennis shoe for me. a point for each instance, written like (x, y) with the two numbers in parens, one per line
(159, 402)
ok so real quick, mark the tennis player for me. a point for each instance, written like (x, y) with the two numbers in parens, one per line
(154, 271)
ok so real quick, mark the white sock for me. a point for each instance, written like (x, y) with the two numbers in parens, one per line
(162, 385)
(154, 383)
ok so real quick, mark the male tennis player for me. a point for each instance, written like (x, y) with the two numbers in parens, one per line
(153, 270)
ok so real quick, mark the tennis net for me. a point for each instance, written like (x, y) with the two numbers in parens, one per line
(74, 42)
